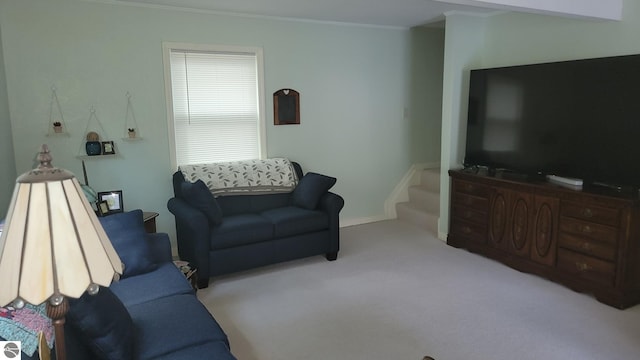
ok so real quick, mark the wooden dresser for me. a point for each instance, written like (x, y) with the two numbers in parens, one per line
(587, 240)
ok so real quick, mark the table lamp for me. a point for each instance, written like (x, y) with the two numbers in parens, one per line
(53, 246)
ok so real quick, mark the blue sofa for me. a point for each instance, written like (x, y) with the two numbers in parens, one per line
(152, 312)
(233, 233)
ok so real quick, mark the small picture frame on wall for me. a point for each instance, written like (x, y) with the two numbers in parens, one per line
(113, 199)
(103, 208)
(108, 148)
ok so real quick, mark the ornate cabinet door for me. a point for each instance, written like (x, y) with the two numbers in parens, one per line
(498, 218)
(545, 230)
(520, 224)
(510, 218)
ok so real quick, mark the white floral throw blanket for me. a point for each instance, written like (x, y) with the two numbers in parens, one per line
(244, 177)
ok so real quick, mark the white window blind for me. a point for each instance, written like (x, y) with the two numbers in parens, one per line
(216, 108)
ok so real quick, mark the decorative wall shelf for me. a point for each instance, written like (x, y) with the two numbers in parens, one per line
(82, 150)
(60, 134)
(89, 157)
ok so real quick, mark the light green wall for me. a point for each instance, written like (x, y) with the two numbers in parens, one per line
(463, 49)
(520, 39)
(425, 110)
(353, 81)
(513, 39)
(8, 173)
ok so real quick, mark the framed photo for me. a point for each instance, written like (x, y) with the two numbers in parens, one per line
(113, 200)
(108, 148)
(103, 208)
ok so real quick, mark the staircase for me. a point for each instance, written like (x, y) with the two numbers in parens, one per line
(423, 207)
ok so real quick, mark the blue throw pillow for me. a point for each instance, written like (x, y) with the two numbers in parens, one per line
(177, 179)
(103, 323)
(310, 190)
(198, 195)
(127, 234)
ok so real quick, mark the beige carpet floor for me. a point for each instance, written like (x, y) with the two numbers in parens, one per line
(398, 293)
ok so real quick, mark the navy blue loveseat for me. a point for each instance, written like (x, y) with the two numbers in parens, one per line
(233, 233)
(151, 313)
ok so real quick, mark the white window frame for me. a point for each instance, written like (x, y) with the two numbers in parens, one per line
(167, 47)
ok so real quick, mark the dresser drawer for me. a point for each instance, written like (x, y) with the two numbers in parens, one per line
(601, 215)
(470, 201)
(468, 230)
(471, 188)
(586, 229)
(588, 246)
(469, 214)
(586, 267)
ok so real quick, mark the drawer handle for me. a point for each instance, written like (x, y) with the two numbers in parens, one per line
(586, 212)
(467, 214)
(466, 230)
(470, 187)
(586, 246)
(583, 266)
(587, 229)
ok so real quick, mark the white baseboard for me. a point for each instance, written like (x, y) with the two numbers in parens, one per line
(364, 220)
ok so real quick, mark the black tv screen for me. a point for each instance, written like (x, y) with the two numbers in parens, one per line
(578, 119)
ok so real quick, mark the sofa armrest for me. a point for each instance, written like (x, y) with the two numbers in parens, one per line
(332, 203)
(160, 246)
(193, 235)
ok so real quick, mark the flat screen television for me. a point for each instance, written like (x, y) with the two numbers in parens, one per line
(577, 119)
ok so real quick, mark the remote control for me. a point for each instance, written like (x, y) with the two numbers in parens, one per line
(564, 180)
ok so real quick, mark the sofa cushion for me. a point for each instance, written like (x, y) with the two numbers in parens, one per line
(103, 323)
(242, 204)
(217, 350)
(169, 324)
(127, 234)
(164, 281)
(241, 229)
(310, 190)
(292, 220)
(199, 196)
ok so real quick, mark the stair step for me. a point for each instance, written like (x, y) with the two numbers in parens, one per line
(430, 178)
(408, 212)
(425, 198)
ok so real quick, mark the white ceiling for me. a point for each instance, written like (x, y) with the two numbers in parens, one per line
(396, 13)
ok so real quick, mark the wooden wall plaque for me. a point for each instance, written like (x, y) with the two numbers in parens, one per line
(286, 107)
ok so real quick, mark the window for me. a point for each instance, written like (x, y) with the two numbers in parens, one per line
(215, 103)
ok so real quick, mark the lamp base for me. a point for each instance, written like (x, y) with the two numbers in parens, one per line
(57, 315)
